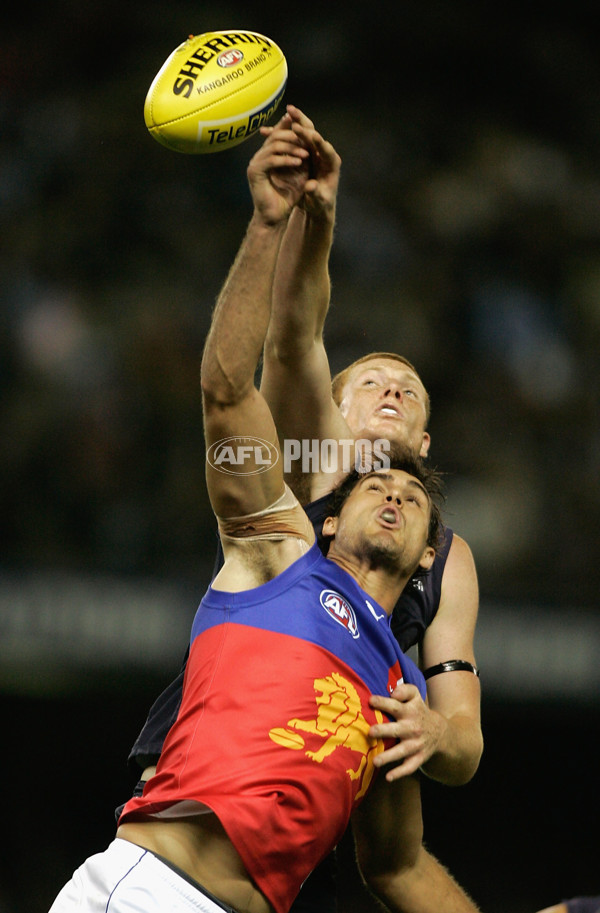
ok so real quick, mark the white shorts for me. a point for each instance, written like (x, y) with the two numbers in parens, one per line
(126, 878)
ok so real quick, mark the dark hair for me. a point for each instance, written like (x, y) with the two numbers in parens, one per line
(415, 466)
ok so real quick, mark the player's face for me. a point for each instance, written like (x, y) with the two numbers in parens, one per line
(386, 399)
(385, 520)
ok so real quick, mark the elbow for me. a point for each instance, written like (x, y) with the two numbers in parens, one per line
(215, 393)
(470, 766)
(289, 349)
(455, 771)
(473, 766)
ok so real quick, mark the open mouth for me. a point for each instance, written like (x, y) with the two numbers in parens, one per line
(389, 515)
(388, 410)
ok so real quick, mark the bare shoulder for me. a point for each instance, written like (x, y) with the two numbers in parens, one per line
(460, 558)
(451, 633)
(459, 581)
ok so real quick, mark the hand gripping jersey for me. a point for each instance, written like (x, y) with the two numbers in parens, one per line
(294, 663)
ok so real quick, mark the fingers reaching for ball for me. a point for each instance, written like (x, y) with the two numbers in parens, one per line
(278, 172)
(296, 162)
(298, 117)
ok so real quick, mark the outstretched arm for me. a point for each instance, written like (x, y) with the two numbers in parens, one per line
(232, 405)
(296, 377)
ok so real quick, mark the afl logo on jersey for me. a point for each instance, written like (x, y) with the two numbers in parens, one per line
(340, 610)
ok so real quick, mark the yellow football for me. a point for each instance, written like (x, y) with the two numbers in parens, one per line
(215, 90)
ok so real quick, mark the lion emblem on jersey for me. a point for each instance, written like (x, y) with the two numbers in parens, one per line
(339, 723)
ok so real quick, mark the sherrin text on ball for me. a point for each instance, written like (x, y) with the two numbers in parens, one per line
(215, 90)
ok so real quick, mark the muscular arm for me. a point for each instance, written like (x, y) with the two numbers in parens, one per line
(443, 737)
(388, 832)
(296, 380)
(231, 403)
(455, 696)
(296, 377)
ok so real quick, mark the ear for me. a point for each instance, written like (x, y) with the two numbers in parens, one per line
(425, 445)
(330, 527)
(427, 558)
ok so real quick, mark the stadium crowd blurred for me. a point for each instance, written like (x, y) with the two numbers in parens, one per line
(467, 239)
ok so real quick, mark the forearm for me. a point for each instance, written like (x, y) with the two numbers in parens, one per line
(388, 831)
(458, 751)
(301, 287)
(425, 887)
(241, 315)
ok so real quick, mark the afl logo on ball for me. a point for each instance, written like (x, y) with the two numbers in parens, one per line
(230, 58)
(340, 610)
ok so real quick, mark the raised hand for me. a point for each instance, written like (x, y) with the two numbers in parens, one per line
(278, 172)
(320, 190)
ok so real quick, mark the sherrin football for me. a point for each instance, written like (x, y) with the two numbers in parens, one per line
(215, 90)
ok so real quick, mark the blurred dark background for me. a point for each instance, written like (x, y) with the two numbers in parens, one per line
(468, 240)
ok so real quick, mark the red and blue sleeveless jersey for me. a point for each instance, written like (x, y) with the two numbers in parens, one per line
(272, 733)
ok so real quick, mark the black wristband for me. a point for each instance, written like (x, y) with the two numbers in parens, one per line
(453, 665)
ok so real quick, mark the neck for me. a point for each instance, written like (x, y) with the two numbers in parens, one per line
(382, 583)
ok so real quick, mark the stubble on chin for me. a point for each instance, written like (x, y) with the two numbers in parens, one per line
(381, 555)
